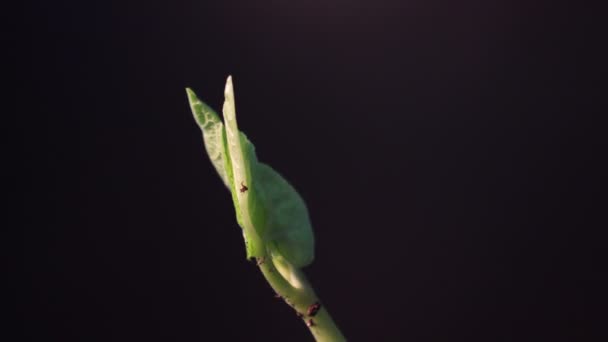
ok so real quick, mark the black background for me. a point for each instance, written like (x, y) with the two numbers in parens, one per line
(443, 148)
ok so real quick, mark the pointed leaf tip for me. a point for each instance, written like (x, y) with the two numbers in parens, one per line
(228, 91)
(192, 98)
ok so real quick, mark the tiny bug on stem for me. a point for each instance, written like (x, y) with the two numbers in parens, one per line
(313, 309)
(243, 187)
(260, 261)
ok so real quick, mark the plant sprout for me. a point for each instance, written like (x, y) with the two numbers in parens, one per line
(274, 218)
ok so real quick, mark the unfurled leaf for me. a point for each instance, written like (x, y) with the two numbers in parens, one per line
(213, 133)
(272, 214)
(288, 228)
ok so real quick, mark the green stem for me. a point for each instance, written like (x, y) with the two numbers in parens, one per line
(300, 295)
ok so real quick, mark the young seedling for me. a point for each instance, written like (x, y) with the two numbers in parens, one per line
(271, 213)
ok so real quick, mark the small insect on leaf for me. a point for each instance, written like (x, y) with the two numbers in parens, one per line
(313, 309)
(243, 187)
(259, 261)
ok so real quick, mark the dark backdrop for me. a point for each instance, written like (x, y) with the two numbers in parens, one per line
(441, 146)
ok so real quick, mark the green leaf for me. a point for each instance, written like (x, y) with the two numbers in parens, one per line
(277, 212)
(288, 230)
(271, 212)
(214, 138)
(241, 154)
(213, 133)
